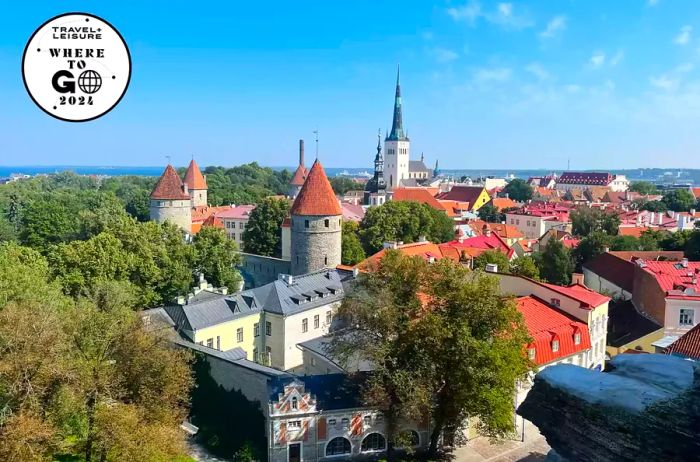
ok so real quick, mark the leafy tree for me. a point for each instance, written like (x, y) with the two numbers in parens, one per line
(342, 184)
(643, 187)
(442, 340)
(263, 234)
(525, 266)
(491, 214)
(352, 252)
(674, 241)
(649, 239)
(590, 247)
(679, 200)
(586, 220)
(555, 263)
(494, 257)
(692, 246)
(245, 184)
(25, 276)
(403, 221)
(625, 243)
(654, 206)
(518, 190)
(217, 256)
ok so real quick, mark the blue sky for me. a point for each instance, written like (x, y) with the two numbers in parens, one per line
(485, 84)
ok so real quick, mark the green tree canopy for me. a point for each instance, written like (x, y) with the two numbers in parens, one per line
(643, 187)
(403, 221)
(490, 214)
(263, 234)
(518, 190)
(342, 184)
(679, 200)
(525, 266)
(585, 220)
(692, 246)
(352, 252)
(654, 206)
(590, 247)
(217, 257)
(245, 184)
(494, 257)
(555, 263)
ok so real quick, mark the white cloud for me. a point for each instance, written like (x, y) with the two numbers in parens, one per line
(598, 59)
(538, 71)
(556, 24)
(664, 82)
(683, 36)
(504, 15)
(617, 58)
(444, 55)
(492, 74)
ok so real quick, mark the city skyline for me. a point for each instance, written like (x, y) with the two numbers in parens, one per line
(485, 85)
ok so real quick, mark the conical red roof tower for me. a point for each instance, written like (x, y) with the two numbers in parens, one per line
(316, 196)
(169, 186)
(194, 178)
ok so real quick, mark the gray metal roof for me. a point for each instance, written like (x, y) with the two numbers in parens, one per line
(417, 166)
(212, 309)
(305, 292)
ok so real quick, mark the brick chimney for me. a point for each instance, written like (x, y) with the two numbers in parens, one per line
(577, 278)
(301, 152)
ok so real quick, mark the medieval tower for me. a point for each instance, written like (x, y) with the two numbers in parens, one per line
(196, 184)
(315, 225)
(397, 146)
(171, 201)
(299, 175)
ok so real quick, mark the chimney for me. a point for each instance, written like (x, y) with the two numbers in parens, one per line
(422, 238)
(355, 272)
(491, 268)
(486, 230)
(661, 218)
(684, 263)
(577, 278)
(391, 245)
(180, 300)
(692, 212)
(287, 278)
(223, 290)
(301, 152)
(606, 249)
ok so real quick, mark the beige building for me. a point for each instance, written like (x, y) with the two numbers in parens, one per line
(235, 221)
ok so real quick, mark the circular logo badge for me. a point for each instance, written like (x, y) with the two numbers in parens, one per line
(76, 67)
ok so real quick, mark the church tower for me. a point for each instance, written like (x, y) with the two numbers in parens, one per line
(315, 225)
(197, 185)
(375, 189)
(170, 201)
(396, 146)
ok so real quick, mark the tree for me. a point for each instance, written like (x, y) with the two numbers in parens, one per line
(493, 257)
(674, 241)
(216, 257)
(679, 200)
(25, 276)
(352, 252)
(585, 220)
(692, 246)
(649, 239)
(403, 221)
(590, 247)
(490, 214)
(442, 340)
(263, 233)
(342, 184)
(518, 190)
(525, 266)
(555, 263)
(643, 187)
(625, 243)
(654, 206)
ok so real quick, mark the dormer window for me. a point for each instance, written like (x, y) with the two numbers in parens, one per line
(555, 345)
(531, 353)
(577, 338)
(295, 404)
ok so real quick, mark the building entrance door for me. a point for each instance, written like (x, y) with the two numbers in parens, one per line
(294, 452)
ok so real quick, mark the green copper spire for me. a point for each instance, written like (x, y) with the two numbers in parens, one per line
(397, 133)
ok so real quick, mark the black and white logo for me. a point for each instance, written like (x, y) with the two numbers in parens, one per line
(76, 67)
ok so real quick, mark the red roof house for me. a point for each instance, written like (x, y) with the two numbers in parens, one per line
(688, 345)
(316, 196)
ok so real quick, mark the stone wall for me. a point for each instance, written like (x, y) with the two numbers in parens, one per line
(647, 296)
(258, 270)
(315, 247)
(178, 212)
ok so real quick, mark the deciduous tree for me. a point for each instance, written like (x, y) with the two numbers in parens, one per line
(217, 257)
(555, 263)
(352, 252)
(518, 190)
(263, 233)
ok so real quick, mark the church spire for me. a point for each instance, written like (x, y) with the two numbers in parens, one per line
(397, 133)
(436, 172)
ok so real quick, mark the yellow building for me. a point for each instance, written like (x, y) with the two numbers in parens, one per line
(477, 196)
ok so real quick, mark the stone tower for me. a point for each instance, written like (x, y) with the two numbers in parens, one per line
(170, 201)
(197, 185)
(299, 174)
(315, 225)
(397, 146)
(375, 189)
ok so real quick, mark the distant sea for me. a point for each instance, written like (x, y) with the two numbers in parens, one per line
(657, 175)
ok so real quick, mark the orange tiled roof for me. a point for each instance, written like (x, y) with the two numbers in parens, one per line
(635, 231)
(202, 212)
(503, 230)
(316, 196)
(194, 178)
(454, 207)
(420, 195)
(421, 249)
(501, 203)
(299, 176)
(696, 192)
(169, 186)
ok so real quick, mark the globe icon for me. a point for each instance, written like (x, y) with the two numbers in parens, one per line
(89, 82)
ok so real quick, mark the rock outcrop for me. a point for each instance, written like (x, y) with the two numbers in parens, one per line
(646, 408)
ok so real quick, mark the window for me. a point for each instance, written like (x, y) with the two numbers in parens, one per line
(218, 342)
(295, 404)
(256, 329)
(338, 446)
(317, 321)
(255, 355)
(325, 260)
(239, 334)
(556, 301)
(313, 361)
(555, 345)
(294, 424)
(305, 325)
(367, 419)
(210, 343)
(268, 355)
(328, 318)
(331, 422)
(268, 328)
(233, 235)
(306, 223)
(531, 353)
(344, 421)
(240, 225)
(686, 317)
(326, 222)
(577, 338)
(373, 442)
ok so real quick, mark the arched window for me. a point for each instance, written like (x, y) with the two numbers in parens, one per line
(373, 442)
(338, 446)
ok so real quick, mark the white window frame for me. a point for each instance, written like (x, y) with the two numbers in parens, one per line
(688, 314)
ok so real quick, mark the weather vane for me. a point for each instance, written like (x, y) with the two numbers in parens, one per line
(316, 133)
(168, 157)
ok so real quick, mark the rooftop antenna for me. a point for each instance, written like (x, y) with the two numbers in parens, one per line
(568, 164)
(316, 140)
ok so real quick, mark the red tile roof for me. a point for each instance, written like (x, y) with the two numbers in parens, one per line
(688, 345)
(213, 221)
(482, 242)
(194, 178)
(316, 196)
(299, 176)
(420, 195)
(503, 230)
(169, 186)
(239, 211)
(678, 281)
(635, 231)
(352, 212)
(501, 203)
(579, 293)
(202, 212)
(425, 250)
(696, 192)
(462, 193)
(545, 324)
